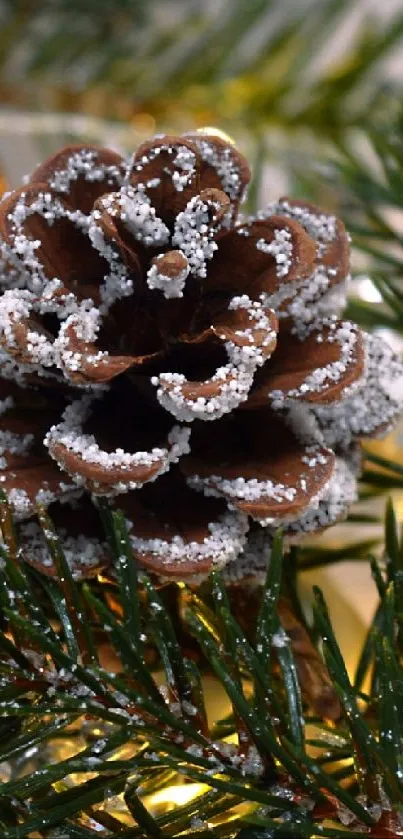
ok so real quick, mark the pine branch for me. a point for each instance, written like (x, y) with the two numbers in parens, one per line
(365, 175)
(199, 61)
(139, 738)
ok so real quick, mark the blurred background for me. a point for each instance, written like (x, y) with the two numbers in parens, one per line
(311, 91)
(277, 75)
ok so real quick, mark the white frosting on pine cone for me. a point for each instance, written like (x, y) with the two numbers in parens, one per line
(183, 164)
(86, 163)
(23, 505)
(16, 308)
(193, 234)
(233, 381)
(23, 254)
(345, 334)
(224, 161)
(321, 226)
(12, 443)
(371, 408)
(83, 554)
(240, 488)
(69, 435)
(170, 286)
(251, 564)
(281, 248)
(338, 495)
(117, 283)
(224, 542)
(135, 281)
(314, 297)
(138, 216)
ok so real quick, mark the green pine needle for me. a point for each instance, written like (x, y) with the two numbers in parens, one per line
(143, 740)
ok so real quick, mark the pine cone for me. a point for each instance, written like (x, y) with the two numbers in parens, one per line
(187, 364)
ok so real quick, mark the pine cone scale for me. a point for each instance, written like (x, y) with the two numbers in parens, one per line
(318, 369)
(175, 537)
(329, 232)
(43, 232)
(222, 392)
(82, 540)
(108, 473)
(82, 173)
(259, 465)
(264, 255)
(171, 169)
(28, 482)
(222, 167)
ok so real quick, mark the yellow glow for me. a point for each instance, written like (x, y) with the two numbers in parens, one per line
(216, 132)
(143, 123)
(3, 183)
(165, 800)
(390, 447)
(177, 795)
(350, 628)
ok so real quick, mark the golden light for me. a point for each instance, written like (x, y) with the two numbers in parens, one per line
(398, 503)
(175, 796)
(143, 123)
(166, 800)
(3, 182)
(216, 132)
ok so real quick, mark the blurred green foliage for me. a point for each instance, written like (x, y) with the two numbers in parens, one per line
(241, 64)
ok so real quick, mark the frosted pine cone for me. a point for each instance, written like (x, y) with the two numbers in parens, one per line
(188, 365)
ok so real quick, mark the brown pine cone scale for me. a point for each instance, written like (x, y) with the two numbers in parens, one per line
(188, 364)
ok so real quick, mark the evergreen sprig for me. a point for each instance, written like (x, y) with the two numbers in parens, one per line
(130, 738)
(233, 64)
(362, 177)
(369, 188)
